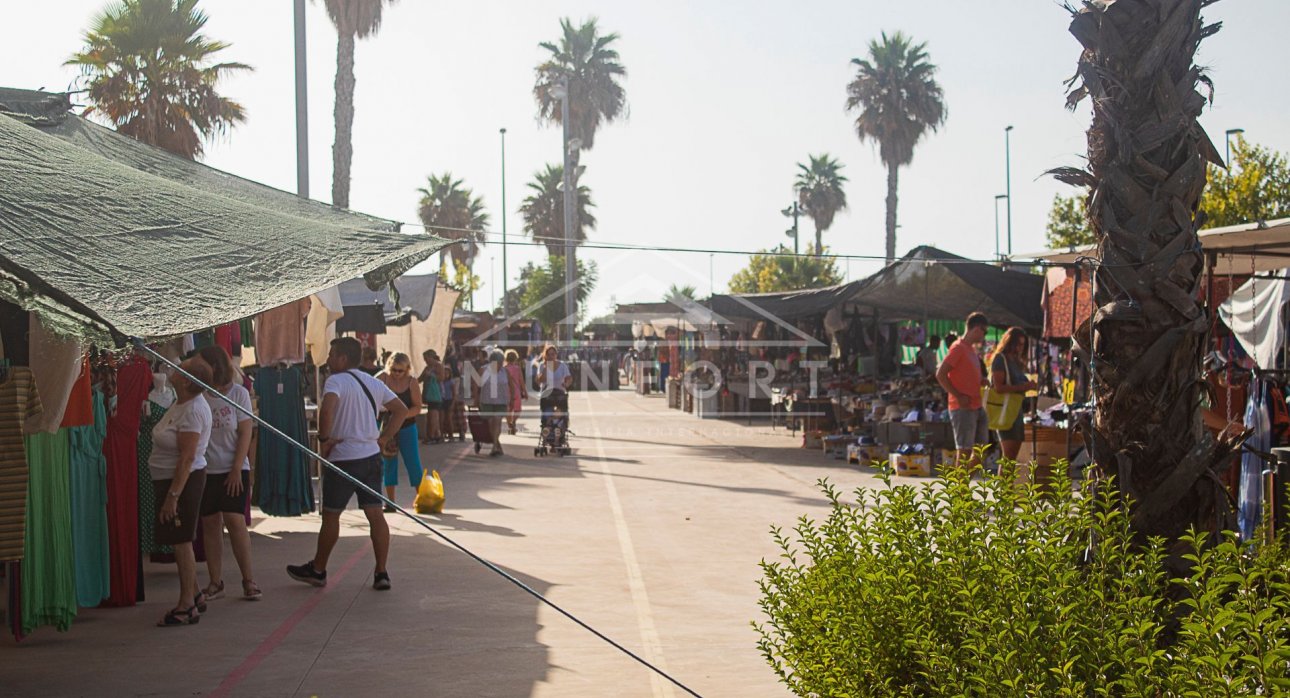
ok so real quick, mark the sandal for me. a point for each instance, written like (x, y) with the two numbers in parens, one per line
(175, 616)
(199, 602)
(213, 591)
(250, 591)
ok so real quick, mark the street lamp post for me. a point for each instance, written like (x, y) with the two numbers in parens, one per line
(570, 192)
(506, 311)
(997, 199)
(1228, 136)
(302, 105)
(1007, 173)
(793, 212)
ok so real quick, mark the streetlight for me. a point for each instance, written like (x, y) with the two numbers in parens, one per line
(1228, 136)
(1007, 170)
(506, 312)
(793, 212)
(997, 198)
(302, 105)
(561, 92)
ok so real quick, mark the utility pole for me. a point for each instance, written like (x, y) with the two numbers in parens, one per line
(570, 195)
(1007, 170)
(302, 105)
(506, 311)
(793, 212)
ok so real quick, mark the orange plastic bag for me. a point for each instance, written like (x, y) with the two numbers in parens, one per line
(430, 495)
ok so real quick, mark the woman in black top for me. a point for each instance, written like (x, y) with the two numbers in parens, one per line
(398, 377)
(1008, 375)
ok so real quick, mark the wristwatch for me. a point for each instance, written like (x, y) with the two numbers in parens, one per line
(174, 494)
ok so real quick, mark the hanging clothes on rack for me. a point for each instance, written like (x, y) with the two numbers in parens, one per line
(280, 334)
(133, 380)
(153, 412)
(1250, 492)
(282, 484)
(19, 404)
(48, 579)
(229, 336)
(80, 408)
(89, 507)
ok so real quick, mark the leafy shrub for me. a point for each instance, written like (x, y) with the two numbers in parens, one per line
(981, 588)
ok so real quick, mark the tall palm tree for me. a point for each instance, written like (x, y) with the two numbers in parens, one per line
(588, 60)
(675, 292)
(450, 210)
(543, 211)
(354, 19)
(149, 71)
(899, 100)
(1146, 173)
(820, 193)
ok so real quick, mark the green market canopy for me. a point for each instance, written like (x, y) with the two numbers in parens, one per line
(108, 238)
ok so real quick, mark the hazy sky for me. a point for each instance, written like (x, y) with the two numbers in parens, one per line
(724, 99)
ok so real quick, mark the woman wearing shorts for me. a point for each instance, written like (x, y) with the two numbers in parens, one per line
(228, 476)
(493, 397)
(1008, 375)
(399, 379)
(178, 469)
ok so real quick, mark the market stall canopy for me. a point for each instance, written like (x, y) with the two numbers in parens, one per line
(786, 305)
(1244, 249)
(415, 297)
(932, 283)
(107, 250)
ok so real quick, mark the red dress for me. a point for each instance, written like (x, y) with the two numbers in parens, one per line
(133, 381)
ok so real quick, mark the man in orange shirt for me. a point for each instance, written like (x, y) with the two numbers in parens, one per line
(961, 374)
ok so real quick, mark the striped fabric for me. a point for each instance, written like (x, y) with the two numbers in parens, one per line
(19, 403)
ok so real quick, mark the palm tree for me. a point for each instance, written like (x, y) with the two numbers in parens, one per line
(1146, 173)
(819, 191)
(586, 58)
(676, 292)
(898, 98)
(148, 71)
(354, 19)
(543, 211)
(450, 210)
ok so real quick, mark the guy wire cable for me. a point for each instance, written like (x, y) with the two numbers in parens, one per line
(139, 344)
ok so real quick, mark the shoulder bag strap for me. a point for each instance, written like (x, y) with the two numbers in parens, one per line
(372, 401)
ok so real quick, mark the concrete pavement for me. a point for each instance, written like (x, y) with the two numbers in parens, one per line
(651, 533)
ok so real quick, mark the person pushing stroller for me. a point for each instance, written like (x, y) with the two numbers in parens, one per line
(553, 380)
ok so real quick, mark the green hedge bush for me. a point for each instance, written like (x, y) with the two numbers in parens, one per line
(963, 587)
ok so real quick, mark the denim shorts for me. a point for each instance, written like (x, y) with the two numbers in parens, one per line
(337, 490)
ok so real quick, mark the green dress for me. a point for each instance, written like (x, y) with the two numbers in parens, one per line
(89, 507)
(48, 579)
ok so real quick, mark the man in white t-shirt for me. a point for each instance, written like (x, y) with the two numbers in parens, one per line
(352, 440)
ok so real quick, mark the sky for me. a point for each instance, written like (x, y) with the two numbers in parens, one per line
(724, 100)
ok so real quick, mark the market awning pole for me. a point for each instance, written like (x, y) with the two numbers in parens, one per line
(140, 345)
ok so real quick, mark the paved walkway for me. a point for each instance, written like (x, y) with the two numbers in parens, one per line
(651, 532)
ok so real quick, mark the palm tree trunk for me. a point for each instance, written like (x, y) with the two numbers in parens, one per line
(892, 169)
(1147, 169)
(342, 150)
(819, 240)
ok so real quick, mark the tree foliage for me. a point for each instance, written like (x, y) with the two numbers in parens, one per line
(448, 209)
(820, 193)
(899, 101)
(543, 210)
(462, 279)
(149, 71)
(588, 59)
(1068, 223)
(675, 292)
(779, 270)
(541, 289)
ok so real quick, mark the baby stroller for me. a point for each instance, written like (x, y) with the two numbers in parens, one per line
(554, 435)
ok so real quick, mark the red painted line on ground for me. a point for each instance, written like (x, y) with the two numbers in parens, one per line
(270, 643)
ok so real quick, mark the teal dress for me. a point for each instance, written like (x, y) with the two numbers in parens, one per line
(89, 507)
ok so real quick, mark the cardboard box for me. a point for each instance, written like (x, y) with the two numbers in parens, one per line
(867, 455)
(813, 440)
(945, 457)
(836, 444)
(912, 465)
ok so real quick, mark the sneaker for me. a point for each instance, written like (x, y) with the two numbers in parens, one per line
(381, 582)
(307, 574)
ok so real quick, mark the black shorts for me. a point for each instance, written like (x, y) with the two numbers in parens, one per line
(337, 490)
(182, 528)
(216, 499)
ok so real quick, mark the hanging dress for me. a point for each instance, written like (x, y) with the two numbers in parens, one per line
(89, 506)
(48, 579)
(19, 404)
(282, 485)
(147, 495)
(134, 381)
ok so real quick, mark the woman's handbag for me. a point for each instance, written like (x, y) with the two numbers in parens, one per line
(1002, 409)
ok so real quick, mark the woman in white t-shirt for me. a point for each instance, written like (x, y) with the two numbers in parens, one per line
(178, 467)
(228, 476)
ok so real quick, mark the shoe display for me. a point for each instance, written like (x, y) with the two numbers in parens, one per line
(307, 574)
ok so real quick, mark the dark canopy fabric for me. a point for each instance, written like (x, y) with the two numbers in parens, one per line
(787, 305)
(415, 293)
(932, 283)
(105, 250)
